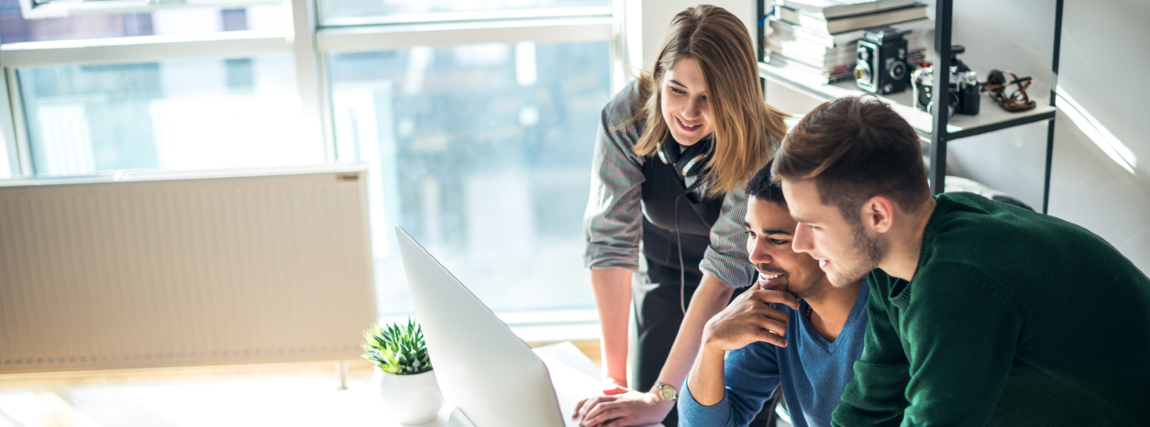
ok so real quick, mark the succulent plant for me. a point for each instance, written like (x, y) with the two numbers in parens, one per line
(397, 348)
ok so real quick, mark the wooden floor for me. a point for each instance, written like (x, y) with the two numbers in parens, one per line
(297, 394)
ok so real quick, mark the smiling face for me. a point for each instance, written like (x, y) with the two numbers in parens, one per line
(769, 233)
(684, 102)
(843, 249)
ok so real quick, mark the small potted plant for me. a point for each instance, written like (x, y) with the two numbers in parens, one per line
(403, 373)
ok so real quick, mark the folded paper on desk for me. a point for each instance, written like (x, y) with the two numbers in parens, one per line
(457, 419)
(574, 376)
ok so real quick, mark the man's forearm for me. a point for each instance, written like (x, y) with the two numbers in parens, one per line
(612, 288)
(708, 377)
(709, 298)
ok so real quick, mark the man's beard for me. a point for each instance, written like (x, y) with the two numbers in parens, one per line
(868, 253)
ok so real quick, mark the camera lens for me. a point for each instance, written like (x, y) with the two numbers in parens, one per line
(949, 108)
(862, 72)
(897, 70)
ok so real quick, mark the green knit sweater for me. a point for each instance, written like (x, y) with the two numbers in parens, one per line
(1012, 318)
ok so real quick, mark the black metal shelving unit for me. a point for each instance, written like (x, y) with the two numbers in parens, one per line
(989, 120)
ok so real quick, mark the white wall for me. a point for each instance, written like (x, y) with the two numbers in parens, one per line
(650, 19)
(1103, 67)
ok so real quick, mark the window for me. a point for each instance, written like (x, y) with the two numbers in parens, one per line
(135, 13)
(359, 12)
(477, 120)
(482, 153)
(5, 165)
(15, 27)
(177, 114)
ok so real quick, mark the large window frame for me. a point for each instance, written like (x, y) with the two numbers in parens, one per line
(309, 42)
(37, 9)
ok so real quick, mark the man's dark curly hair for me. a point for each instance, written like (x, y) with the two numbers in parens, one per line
(761, 187)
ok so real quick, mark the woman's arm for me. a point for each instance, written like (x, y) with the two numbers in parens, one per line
(612, 288)
(710, 298)
(647, 408)
(613, 227)
(726, 257)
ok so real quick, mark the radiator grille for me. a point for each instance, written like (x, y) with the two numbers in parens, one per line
(182, 272)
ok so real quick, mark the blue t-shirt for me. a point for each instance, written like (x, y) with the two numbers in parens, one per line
(811, 370)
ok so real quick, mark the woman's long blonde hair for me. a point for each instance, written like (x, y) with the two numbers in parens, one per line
(744, 123)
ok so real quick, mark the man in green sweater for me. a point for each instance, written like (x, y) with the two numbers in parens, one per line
(981, 313)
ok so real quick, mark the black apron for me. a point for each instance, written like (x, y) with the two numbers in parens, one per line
(656, 292)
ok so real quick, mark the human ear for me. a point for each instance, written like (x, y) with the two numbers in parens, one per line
(878, 214)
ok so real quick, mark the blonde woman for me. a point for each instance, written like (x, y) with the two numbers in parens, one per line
(674, 149)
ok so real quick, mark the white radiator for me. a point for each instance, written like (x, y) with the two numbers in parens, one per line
(168, 270)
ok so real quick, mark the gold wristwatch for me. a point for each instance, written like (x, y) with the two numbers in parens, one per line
(666, 392)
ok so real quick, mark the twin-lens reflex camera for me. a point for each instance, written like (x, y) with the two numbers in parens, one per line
(882, 65)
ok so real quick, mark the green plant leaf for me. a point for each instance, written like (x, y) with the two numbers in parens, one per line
(397, 348)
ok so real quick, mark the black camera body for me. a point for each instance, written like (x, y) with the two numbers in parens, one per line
(882, 67)
(963, 91)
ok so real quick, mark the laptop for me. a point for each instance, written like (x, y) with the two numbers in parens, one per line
(483, 368)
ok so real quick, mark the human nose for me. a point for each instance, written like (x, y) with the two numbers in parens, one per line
(758, 253)
(802, 242)
(693, 109)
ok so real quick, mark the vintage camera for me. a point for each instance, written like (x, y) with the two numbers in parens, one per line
(963, 88)
(882, 66)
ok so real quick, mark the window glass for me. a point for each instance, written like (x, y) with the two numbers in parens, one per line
(335, 12)
(15, 29)
(482, 153)
(5, 167)
(180, 114)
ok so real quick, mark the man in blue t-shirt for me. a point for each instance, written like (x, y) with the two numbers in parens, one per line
(793, 329)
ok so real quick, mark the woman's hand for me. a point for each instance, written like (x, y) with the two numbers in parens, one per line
(627, 409)
(613, 386)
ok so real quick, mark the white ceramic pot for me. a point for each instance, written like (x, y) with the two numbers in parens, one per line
(408, 399)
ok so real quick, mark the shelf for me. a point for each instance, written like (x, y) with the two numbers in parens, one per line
(990, 118)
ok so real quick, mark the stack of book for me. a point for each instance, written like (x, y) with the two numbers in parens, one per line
(821, 36)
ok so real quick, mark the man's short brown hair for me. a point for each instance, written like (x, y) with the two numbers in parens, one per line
(855, 148)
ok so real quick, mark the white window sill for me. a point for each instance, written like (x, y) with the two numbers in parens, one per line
(546, 326)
